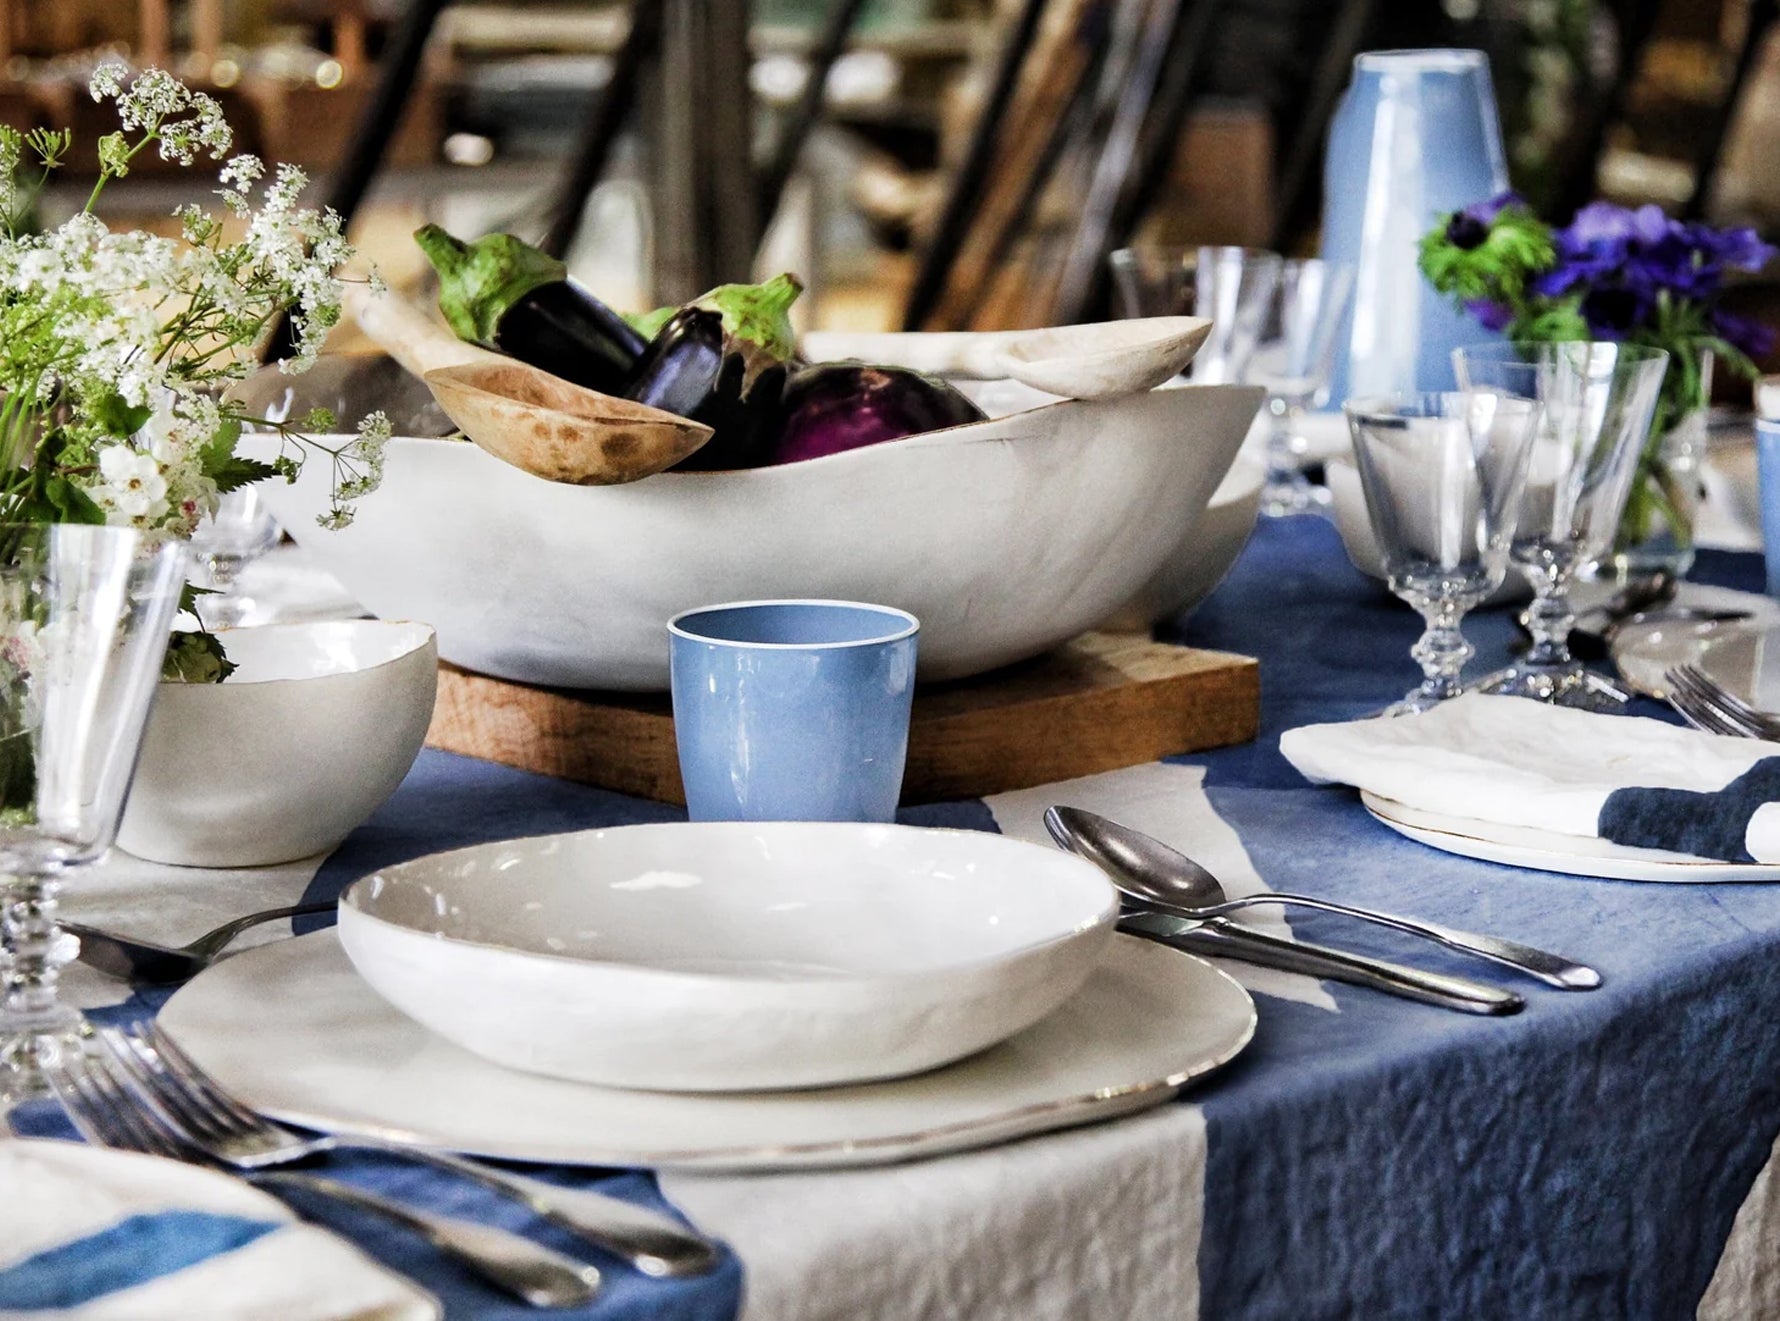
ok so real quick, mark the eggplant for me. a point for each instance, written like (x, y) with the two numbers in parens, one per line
(836, 406)
(723, 360)
(502, 293)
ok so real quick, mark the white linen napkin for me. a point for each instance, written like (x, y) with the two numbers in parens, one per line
(1514, 761)
(98, 1235)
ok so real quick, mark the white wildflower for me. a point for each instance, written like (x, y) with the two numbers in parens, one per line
(242, 171)
(108, 80)
(133, 485)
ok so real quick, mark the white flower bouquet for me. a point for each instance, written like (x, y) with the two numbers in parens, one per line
(116, 348)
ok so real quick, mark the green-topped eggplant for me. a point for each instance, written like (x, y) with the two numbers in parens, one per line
(722, 360)
(502, 293)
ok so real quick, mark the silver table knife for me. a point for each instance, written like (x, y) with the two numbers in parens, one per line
(1222, 938)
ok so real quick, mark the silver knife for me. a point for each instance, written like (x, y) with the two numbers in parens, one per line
(1222, 938)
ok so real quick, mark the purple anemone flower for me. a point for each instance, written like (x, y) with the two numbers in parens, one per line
(1751, 336)
(1490, 314)
(1469, 228)
(1614, 313)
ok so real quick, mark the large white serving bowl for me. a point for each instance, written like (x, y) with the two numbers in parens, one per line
(1205, 553)
(731, 956)
(1005, 537)
(316, 728)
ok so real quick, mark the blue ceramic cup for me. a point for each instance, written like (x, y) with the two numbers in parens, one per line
(792, 710)
(1767, 453)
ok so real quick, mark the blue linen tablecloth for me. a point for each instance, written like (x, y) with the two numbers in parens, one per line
(1583, 1159)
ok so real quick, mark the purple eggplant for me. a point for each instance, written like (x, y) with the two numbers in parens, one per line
(722, 361)
(836, 406)
(502, 293)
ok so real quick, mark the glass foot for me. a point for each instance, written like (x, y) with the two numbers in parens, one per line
(28, 1050)
(1561, 685)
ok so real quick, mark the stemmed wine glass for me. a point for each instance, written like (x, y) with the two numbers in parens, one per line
(1443, 475)
(84, 619)
(1596, 401)
(1230, 286)
(1294, 360)
(240, 531)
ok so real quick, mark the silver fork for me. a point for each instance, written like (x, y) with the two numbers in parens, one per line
(109, 1112)
(229, 1132)
(1705, 702)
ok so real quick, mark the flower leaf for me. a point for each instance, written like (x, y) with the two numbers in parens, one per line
(116, 417)
(235, 472)
(196, 658)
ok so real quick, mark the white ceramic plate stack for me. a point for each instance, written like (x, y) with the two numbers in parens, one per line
(1545, 850)
(1741, 654)
(794, 993)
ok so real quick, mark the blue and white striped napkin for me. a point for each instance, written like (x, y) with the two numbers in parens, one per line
(111, 1236)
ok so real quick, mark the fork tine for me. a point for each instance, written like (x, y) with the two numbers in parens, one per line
(1714, 697)
(1697, 706)
(171, 1102)
(104, 1112)
(186, 1071)
(1730, 702)
(1681, 696)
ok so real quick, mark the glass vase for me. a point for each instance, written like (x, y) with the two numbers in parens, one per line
(1656, 532)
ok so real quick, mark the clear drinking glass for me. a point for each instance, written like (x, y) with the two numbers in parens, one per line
(1596, 401)
(1294, 359)
(84, 618)
(239, 532)
(1443, 475)
(1230, 286)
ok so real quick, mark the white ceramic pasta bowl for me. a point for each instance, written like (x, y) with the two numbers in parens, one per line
(1005, 537)
(316, 728)
(731, 956)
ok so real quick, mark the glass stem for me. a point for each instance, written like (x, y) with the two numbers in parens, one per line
(1281, 465)
(1441, 651)
(34, 963)
(1549, 618)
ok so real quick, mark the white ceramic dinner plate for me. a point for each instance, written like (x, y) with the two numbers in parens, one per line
(1545, 850)
(1643, 652)
(292, 1030)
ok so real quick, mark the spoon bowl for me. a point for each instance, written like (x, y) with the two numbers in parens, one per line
(560, 431)
(521, 414)
(166, 965)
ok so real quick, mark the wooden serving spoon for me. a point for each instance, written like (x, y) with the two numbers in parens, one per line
(1101, 360)
(561, 431)
(522, 415)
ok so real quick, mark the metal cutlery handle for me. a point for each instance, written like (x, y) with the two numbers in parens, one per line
(1553, 969)
(215, 941)
(652, 1242)
(527, 1270)
(1227, 940)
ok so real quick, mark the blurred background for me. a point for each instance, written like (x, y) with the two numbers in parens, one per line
(924, 163)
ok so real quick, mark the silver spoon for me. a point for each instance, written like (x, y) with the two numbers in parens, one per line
(1156, 875)
(162, 965)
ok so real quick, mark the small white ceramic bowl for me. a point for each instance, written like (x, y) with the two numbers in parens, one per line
(731, 956)
(316, 728)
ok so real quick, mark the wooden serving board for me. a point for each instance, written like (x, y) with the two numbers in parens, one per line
(1103, 701)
